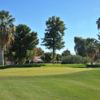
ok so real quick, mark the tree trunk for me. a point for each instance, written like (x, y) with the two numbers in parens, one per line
(1, 57)
(53, 55)
(91, 62)
(54, 50)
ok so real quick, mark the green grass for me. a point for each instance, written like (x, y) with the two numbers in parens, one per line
(50, 83)
(66, 65)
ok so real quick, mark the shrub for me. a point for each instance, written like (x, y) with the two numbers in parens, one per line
(47, 57)
(93, 66)
(74, 59)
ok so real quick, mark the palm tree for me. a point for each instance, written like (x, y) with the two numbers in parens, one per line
(92, 49)
(98, 23)
(6, 32)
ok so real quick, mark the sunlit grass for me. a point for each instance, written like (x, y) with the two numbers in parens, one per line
(39, 71)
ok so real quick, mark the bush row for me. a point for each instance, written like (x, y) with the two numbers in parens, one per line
(74, 59)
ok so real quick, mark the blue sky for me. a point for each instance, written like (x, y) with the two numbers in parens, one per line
(79, 16)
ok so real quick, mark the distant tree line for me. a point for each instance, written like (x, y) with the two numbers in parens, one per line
(18, 44)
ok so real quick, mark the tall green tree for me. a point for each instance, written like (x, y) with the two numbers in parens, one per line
(54, 33)
(91, 49)
(25, 42)
(80, 46)
(98, 26)
(86, 48)
(7, 30)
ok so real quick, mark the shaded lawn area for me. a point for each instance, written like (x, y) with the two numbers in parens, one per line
(50, 84)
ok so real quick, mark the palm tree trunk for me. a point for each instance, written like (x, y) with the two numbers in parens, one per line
(1, 57)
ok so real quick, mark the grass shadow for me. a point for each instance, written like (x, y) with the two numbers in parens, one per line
(22, 66)
(93, 66)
